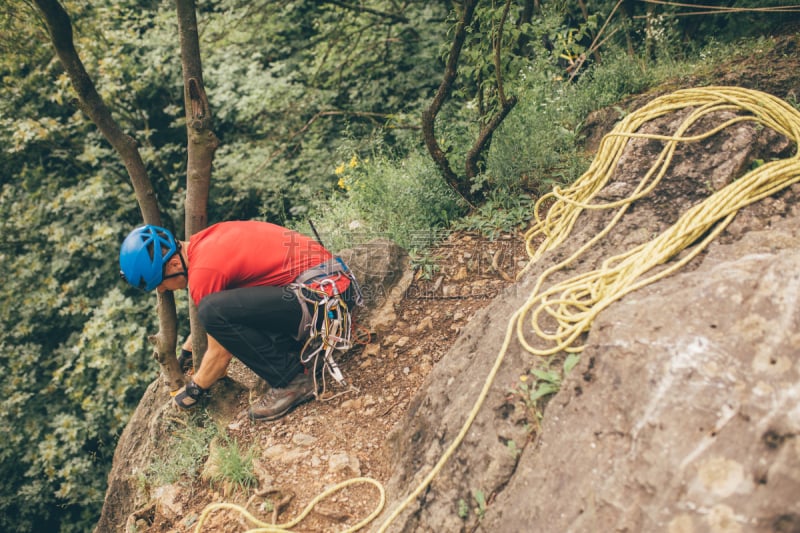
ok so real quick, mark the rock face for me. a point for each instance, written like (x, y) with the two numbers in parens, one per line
(684, 411)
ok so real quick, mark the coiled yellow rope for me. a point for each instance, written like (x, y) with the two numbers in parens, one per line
(573, 304)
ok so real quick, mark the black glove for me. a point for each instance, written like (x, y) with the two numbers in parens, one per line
(185, 361)
(188, 395)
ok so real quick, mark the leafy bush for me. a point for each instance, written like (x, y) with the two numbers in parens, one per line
(397, 199)
(503, 212)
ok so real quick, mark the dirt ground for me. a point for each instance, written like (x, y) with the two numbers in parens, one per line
(344, 434)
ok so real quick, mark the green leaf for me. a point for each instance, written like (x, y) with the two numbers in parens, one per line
(570, 362)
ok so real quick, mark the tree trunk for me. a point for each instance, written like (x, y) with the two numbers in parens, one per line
(201, 145)
(482, 143)
(90, 102)
(429, 114)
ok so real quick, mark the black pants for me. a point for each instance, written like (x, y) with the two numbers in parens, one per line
(257, 325)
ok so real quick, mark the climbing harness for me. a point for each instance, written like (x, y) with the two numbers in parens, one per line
(575, 302)
(327, 322)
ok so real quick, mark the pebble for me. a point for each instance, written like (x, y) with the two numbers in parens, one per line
(342, 461)
(372, 349)
(424, 324)
(302, 439)
(352, 405)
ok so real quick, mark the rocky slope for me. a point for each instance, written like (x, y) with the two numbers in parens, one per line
(681, 416)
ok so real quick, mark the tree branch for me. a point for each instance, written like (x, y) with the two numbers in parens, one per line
(363, 9)
(446, 86)
(90, 102)
(506, 105)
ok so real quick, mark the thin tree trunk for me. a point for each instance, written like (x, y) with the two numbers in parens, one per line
(429, 114)
(90, 102)
(475, 154)
(201, 145)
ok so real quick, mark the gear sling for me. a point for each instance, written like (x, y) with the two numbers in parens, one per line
(327, 323)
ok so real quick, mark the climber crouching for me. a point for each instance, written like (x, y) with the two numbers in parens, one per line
(255, 285)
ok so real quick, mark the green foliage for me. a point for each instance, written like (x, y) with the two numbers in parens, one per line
(512, 448)
(463, 509)
(503, 212)
(398, 199)
(286, 80)
(424, 263)
(233, 467)
(72, 341)
(187, 446)
(546, 382)
(480, 503)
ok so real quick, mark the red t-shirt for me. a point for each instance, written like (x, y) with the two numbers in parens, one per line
(236, 254)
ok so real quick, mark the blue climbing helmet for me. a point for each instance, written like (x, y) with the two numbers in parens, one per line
(143, 254)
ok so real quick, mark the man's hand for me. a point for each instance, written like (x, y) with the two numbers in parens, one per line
(188, 395)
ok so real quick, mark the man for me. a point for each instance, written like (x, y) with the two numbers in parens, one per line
(245, 278)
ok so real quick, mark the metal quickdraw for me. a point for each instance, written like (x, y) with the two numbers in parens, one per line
(327, 324)
(330, 330)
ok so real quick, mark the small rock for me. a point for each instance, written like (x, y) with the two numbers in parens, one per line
(352, 405)
(302, 439)
(425, 324)
(391, 339)
(461, 274)
(167, 497)
(342, 461)
(372, 349)
(284, 454)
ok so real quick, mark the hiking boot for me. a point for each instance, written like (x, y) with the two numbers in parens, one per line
(278, 402)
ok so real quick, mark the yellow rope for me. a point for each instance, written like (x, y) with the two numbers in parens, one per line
(263, 527)
(574, 303)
